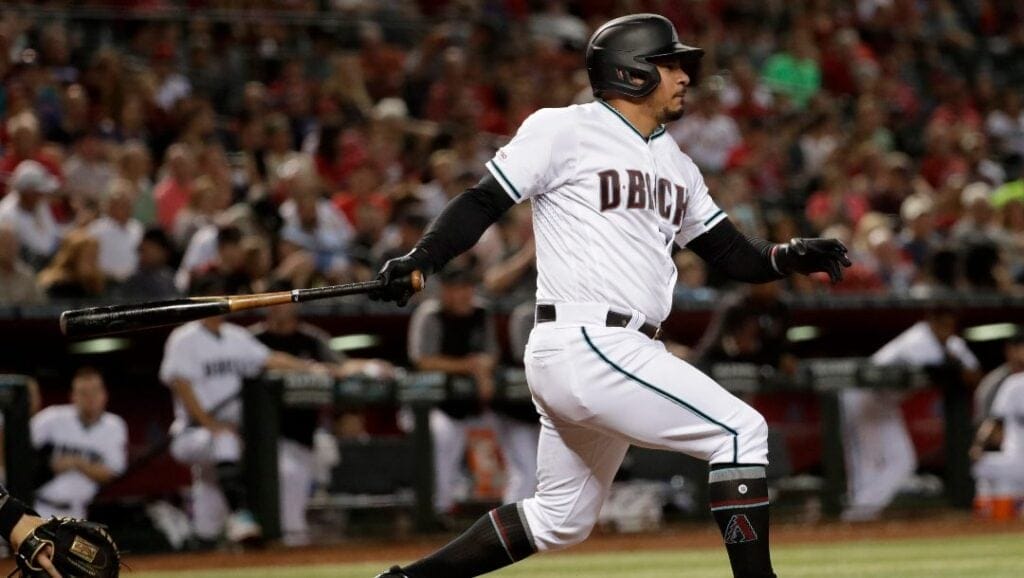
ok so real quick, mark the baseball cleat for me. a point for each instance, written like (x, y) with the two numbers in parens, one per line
(241, 527)
(394, 572)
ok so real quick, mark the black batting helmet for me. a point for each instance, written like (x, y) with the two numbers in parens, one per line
(620, 52)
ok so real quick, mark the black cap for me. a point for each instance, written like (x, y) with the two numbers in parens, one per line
(458, 276)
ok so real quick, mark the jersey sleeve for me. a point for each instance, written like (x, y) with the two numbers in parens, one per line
(1009, 400)
(425, 331)
(539, 158)
(178, 363)
(253, 352)
(701, 212)
(958, 347)
(115, 453)
(40, 428)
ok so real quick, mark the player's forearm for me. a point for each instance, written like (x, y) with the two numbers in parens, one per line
(461, 224)
(740, 257)
(446, 364)
(183, 389)
(281, 361)
(499, 278)
(97, 472)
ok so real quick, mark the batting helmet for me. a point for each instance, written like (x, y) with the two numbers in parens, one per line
(620, 52)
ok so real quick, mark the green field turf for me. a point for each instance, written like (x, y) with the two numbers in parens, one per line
(989, 556)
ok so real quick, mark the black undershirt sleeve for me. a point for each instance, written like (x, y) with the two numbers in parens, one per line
(740, 257)
(463, 221)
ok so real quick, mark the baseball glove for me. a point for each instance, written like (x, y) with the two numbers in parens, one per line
(79, 549)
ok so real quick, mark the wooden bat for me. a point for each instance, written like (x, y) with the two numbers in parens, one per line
(97, 321)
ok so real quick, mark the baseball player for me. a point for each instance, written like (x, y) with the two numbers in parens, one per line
(879, 453)
(204, 364)
(611, 194)
(998, 448)
(82, 444)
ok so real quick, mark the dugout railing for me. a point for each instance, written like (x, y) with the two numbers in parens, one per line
(824, 378)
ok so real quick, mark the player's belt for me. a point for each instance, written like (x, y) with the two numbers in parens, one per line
(547, 312)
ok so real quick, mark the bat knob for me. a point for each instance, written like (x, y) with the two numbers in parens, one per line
(417, 281)
(64, 323)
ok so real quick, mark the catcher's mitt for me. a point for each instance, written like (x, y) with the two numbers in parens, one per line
(79, 549)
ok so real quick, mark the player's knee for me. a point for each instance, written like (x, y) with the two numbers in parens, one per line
(753, 442)
(553, 529)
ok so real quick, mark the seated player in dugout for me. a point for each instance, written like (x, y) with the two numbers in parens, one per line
(455, 334)
(610, 196)
(81, 446)
(998, 449)
(282, 330)
(204, 364)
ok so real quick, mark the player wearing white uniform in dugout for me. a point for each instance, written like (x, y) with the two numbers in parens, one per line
(611, 194)
(83, 445)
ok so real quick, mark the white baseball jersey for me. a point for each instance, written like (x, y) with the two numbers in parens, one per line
(607, 206)
(214, 364)
(105, 441)
(918, 347)
(1009, 405)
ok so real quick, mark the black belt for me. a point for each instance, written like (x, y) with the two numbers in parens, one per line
(546, 312)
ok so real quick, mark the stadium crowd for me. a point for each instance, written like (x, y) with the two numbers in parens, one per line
(141, 154)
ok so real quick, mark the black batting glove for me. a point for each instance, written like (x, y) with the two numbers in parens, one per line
(396, 277)
(808, 256)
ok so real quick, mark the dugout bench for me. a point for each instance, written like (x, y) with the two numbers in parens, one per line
(411, 459)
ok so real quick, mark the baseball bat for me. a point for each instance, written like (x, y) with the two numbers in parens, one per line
(107, 320)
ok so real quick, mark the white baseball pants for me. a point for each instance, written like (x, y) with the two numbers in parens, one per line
(600, 389)
(203, 449)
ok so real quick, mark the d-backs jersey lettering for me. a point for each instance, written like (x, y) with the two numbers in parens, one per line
(607, 206)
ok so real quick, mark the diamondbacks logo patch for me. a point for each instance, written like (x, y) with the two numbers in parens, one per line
(739, 530)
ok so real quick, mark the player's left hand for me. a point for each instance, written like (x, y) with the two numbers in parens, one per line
(815, 255)
(396, 277)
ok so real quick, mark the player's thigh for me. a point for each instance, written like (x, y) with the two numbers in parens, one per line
(639, 390)
(200, 445)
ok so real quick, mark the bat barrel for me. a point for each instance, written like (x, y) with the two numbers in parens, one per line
(97, 321)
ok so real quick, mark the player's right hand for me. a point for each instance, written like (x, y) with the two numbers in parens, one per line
(808, 256)
(396, 277)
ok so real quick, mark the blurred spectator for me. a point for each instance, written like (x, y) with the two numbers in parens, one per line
(879, 452)
(153, 278)
(134, 166)
(173, 192)
(978, 219)
(692, 281)
(17, 280)
(313, 224)
(80, 446)
(795, 73)
(706, 132)
(455, 335)
(75, 271)
(512, 273)
(25, 144)
(26, 210)
(88, 171)
(206, 201)
(918, 237)
(229, 267)
(117, 233)
(749, 326)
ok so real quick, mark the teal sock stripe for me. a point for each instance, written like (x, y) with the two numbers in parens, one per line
(667, 395)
